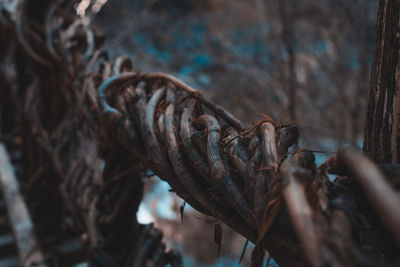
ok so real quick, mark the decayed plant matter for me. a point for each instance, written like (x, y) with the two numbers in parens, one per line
(78, 110)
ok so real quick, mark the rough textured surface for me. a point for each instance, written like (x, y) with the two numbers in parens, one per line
(107, 126)
(382, 136)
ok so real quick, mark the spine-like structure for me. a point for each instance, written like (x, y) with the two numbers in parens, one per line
(94, 127)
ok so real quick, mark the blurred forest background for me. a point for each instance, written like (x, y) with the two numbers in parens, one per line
(293, 60)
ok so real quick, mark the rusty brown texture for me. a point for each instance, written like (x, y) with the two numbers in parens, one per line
(93, 127)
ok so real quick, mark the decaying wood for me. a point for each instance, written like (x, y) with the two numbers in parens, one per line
(384, 199)
(252, 178)
(294, 192)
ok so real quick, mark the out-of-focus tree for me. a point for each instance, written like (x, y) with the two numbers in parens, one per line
(321, 55)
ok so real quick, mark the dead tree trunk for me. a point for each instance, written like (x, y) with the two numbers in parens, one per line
(382, 136)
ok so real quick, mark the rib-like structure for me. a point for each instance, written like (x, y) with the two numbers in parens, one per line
(93, 128)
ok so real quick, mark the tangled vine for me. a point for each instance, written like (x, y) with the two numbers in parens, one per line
(93, 127)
